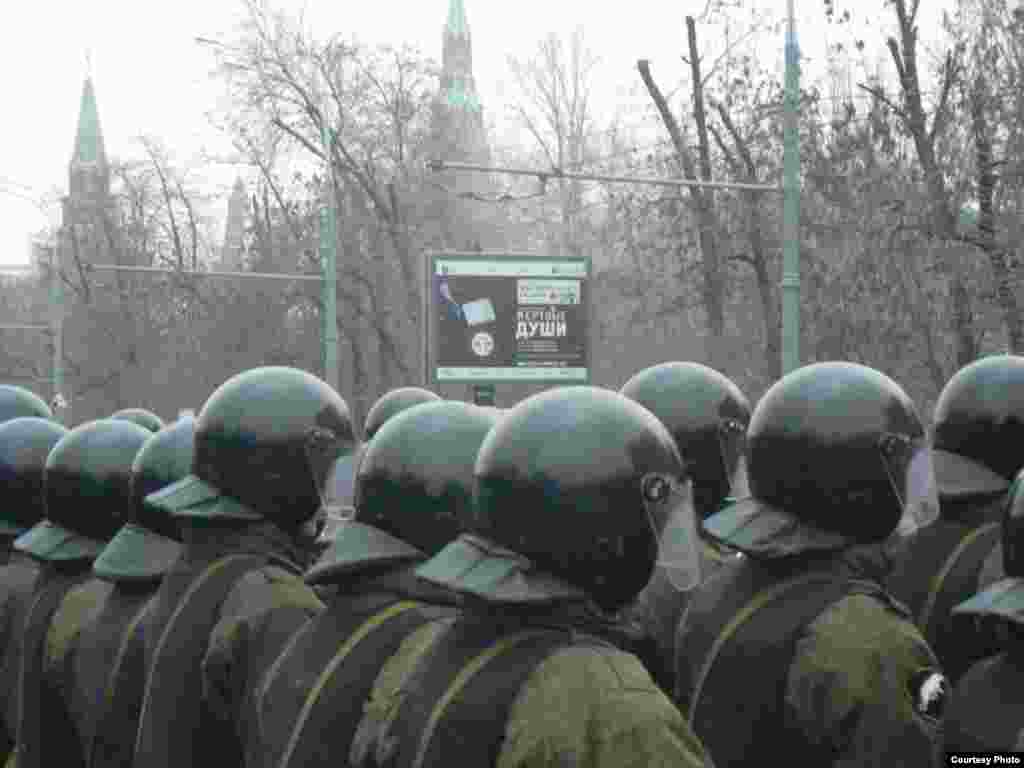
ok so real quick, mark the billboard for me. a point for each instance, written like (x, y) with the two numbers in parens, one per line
(509, 318)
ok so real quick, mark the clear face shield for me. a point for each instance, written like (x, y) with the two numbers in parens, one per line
(917, 489)
(338, 495)
(731, 443)
(334, 479)
(669, 506)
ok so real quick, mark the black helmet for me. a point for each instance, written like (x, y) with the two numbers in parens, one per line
(574, 489)
(1005, 598)
(24, 445)
(264, 443)
(837, 455)
(413, 490)
(979, 427)
(148, 543)
(16, 403)
(142, 417)
(88, 490)
(393, 403)
(707, 415)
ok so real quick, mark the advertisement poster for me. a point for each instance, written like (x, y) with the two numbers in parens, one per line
(507, 319)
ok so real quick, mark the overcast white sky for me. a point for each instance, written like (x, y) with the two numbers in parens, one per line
(152, 78)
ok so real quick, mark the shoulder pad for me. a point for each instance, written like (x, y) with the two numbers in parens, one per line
(268, 586)
(75, 611)
(930, 691)
(872, 589)
(595, 662)
(276, 574)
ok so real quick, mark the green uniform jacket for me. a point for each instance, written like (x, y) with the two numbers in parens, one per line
(587, 706)
(36, 700)
(819, 674)
(984, 713)
(85, 647)
(658, 609)
(199, 738)
(292, 684)
(16, 580)
(940, 567)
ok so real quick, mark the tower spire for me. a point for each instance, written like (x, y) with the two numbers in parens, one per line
(457, 25)
(458, 88)
(89, 149)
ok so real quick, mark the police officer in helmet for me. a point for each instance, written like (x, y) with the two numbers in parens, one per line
(87, 486)
(578, 492)
(984, 709)
(264, 442)
(95, 642)
(301, 706)
(796, 649)
(707, 416)
(978, 428)
(341, 481)
(25, 444)
(142, 417)
(18, 403)
(392, 404)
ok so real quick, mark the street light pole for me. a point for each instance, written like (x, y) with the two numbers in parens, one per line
(791, 202)
(60, 401)
(328, 253)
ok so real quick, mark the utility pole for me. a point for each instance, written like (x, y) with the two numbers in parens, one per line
(791, 202)
(329, 257)
(60, 403)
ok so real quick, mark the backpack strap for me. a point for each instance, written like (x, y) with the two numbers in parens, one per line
(759, 601)
(117, 713)
(958, 644)
(38, 701)
(462, 690)
(735, 638)
(978, 541)
(171, 718)
(327, 722)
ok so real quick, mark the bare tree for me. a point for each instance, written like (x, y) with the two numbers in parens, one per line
(700, 198)
(374, 108)
(555, 88)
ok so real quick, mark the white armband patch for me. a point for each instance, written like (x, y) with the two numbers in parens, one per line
(930, 690)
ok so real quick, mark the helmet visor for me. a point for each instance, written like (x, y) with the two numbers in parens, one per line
(731, 443)
(334, 519)
(917, 489)
(337, 498)
(669, 506)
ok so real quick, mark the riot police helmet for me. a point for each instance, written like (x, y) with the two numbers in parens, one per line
(837, 456)
(977, 427)
(264, 443)
(16, 403)
(413, 489)
(25, 444)
(142, 417)
(87, 483)
(393, 403)
(707, 415)
(579, 492)
(150, 541)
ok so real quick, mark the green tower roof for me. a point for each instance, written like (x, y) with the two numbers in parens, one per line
(457, 19)
(89, 139)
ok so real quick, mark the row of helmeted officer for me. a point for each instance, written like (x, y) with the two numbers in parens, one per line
(651, 577)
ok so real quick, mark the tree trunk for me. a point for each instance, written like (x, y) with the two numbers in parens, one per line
(1002, 273)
